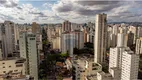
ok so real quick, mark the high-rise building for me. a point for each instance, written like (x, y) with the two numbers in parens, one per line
(114, 36)
(115, 53)
(56, 43)
(68, 43)
(28, 50)
(113, 40)
(130, 64)
(35, 28)
(16, 36)
(66, 26)
(115, 30)
(1, 31)
(123, 63)
(1, 55)
(8, 38)
(121, 40)
(130, 39)
(123, 28)
(109, 37)
(100, 38)
(139, 46)
(138, 32)
(133, 32)
(70, 40)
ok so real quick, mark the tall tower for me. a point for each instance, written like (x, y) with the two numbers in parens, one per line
(8, 38)
(28, 50)
(100, 38)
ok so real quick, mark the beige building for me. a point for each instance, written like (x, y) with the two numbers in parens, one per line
(56, 43)
(35, 28)
(100, 38)
(12, 67)
(139, 46)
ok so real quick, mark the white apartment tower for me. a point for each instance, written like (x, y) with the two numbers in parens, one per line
(100, 38)
(115, 53)
(123, 63)
(8, 38)
(28, 50)
(130, 64)
(71, 40)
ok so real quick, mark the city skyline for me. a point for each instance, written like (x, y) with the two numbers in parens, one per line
(91, 51)
(80, 11)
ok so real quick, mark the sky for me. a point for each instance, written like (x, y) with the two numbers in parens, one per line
(76, 11)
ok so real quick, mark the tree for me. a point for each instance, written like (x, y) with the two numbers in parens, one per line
(76, 51)
(88, 45)
(59, 77)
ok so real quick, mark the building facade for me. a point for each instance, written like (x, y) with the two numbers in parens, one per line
(100, 38)
(8, 39)
(130, 64)
(28, 50)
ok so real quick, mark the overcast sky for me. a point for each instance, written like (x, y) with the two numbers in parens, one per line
(78, 11)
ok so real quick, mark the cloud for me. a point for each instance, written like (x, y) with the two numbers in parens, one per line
(27, 13)
(47, 5)
(9, 3)
(117, 10)
(127, 13)
(21, 18)
(77, 11)
(85, 7)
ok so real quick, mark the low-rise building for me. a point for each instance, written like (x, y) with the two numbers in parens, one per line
(14, 68)
(85, 68)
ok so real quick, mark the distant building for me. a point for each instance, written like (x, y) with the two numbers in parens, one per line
(68, 43)
(138, 32)
(71, 40)
(123, 28)
(100, 38)
(121, 40)
(66, 26)
(35, 28)
(139, 46)
(1, 55)
(28, 50)
(56, 43)
(130, 39)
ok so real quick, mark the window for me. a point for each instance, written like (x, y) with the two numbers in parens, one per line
(3, 66)
(9, 66)
(4, 71)
(15, 70)
(19, 65)
(3, 63)
(32, 38)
